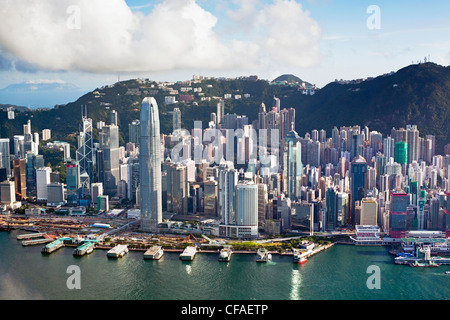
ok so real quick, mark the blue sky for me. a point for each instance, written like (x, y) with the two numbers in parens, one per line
(317, 40)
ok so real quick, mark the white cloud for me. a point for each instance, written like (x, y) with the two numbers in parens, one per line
(177, 34)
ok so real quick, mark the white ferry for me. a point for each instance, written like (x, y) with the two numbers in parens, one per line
(299, 257)
(188, 254)
(225, 255)
(154, 253)
(118, 251)
(263, 255)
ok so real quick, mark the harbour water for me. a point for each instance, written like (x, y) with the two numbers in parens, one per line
(339, 273)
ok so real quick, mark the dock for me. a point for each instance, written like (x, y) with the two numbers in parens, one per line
(31, 242)
(30, 236)
(118, 251)
(52, 247)
(85, 248)
(154, 253)
(188, 254)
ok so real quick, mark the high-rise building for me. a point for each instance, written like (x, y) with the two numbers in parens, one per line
(398, 212)
(150, 166)
(5, 155)
(358, 175)
(7, 192)
(85, 151)
(227, 181)
(113, 119)
(413, 143)
(220, 111)
(292, 166)
(73, 182)
(109, 143)
(176, 119)
(42, 181)
(134, 132)
(20, 178)
(447, 214)
(369, 212)
(401, 153)
(46, 134)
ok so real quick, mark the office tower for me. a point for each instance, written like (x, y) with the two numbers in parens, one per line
(220, 111)
(150, 166)
(46, 134)
(227, 181)
(447, 214)
(342, 209)
(401, 153)
(42, 181)
(434, 223)
(413, 143)
(210, 197)
(263, 199)
(369, 212)
(330, 217)
(20, 178)
(370, 179)
(358, 174)
(380, 164)
(73, 182)
(19, 147)
(336, 138)
(3, 176)
(397, 217)
(176, 119)
(272, 125)
(247, 204)
(109, 143)
(262, 117)
(389, 147)
(103, 203)
(357, 141)
(55, 193)
(5, 155)
(113, 120)
(313, 153)
(421, 211)
(85, 151)
(133, 179)
(7, 192)
(96, 191)
(277, 104)
(177, 189)
(292, 166)
(134, 132)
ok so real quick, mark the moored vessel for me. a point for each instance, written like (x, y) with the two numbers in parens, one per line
(262, 255)
(188, 253)
(154, 253)
(225, 255)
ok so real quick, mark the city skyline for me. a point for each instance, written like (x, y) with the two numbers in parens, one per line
(318, 41)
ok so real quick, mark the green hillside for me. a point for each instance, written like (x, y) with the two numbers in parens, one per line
(417, 94)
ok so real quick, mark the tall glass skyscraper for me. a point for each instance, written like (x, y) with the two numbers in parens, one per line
(150, 166)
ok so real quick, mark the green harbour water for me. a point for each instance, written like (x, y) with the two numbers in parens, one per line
(339, 273)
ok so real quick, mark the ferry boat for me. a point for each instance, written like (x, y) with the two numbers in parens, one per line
(263, 255)
(154, 253)
(447, 272)
(188, 254)
(118, 251)
(298, 257)
(225, 255)
(424, 264)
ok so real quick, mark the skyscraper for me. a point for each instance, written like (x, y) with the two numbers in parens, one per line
(109, 143)
(358, 175)
(397, 223)
(176, 117)
(150, 166)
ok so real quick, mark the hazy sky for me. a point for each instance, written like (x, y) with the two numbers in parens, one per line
(90, 42)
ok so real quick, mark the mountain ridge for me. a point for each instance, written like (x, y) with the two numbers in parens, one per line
(415, 94)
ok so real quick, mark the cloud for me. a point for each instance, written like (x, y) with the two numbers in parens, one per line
(176, 34)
